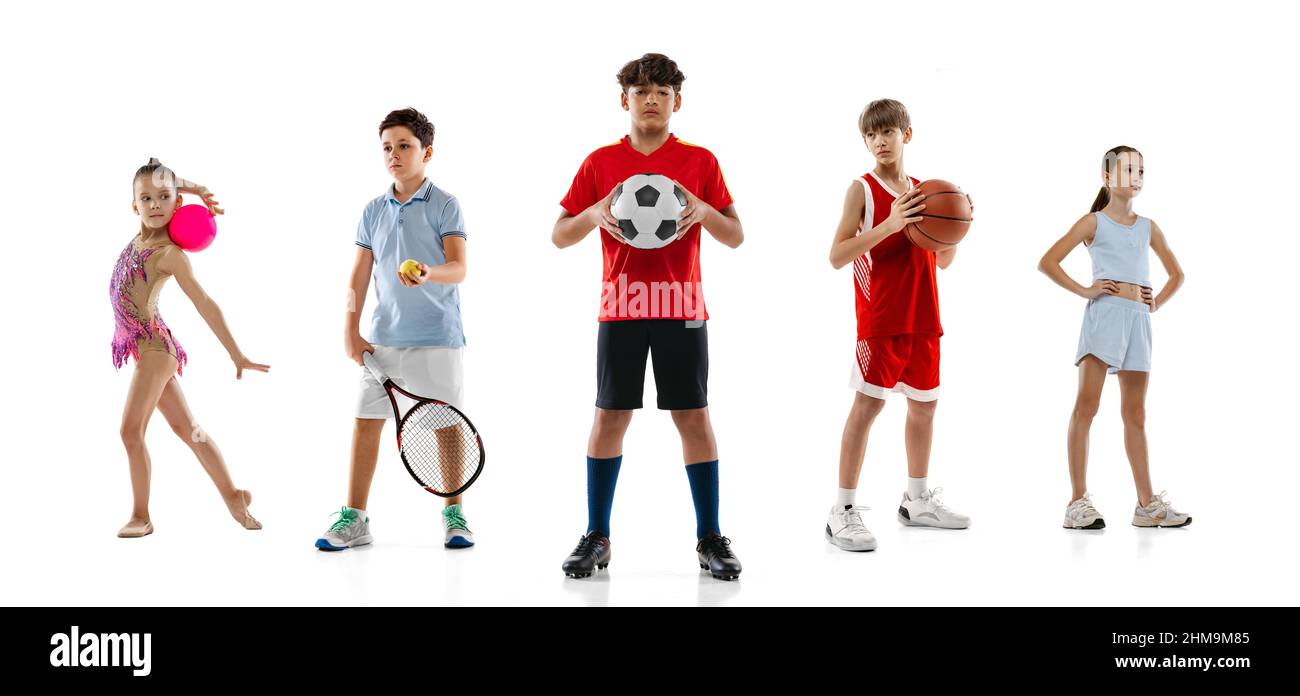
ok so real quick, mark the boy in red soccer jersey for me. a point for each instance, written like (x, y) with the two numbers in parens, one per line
(897, 301)
(651, 305)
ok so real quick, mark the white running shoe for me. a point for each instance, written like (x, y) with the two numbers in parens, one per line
(350, 529)
(1080, 514)
(844, 529)
(1159, 513)
(928, 511)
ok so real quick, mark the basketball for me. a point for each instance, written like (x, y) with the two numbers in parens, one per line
(946, 218)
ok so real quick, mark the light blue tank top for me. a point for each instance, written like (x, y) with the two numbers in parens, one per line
(1119, 252)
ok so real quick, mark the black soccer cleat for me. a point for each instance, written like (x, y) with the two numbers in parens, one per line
(714, 552)
(591, 554)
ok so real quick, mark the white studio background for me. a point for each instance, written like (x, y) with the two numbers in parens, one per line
(274, 106)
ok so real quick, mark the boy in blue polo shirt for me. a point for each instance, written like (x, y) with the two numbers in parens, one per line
(415, 333)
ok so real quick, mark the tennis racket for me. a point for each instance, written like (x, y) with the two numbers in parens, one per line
(439, 446)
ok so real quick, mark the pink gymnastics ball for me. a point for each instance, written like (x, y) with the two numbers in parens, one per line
(193, 227)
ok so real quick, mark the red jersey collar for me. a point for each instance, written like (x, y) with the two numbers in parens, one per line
(627, 143)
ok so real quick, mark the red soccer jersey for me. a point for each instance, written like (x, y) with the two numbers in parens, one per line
(895, 282)
(659, 283)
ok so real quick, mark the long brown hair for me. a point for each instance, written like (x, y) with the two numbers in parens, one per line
(1110, 162)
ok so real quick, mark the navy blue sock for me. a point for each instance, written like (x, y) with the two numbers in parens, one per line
(602, 476)
(704, 490)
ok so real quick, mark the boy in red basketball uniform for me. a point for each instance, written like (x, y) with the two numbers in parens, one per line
(897, 303)
(652, 307)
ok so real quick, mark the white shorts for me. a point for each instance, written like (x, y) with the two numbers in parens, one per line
(435, 373)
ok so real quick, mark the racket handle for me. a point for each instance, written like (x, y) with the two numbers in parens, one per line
(369, 359)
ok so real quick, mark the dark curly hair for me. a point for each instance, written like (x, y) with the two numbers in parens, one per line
(652, 68)
(413, 120)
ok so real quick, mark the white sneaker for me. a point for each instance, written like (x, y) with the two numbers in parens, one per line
(1159, 513)
(927, 511)
(1080, 514)
(350, 529)
(844, 529)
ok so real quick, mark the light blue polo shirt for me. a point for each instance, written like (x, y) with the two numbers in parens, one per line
(427, 315)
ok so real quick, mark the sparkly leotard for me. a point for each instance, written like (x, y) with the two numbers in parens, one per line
(133, 292)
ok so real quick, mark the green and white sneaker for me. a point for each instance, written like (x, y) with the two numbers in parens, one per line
(352, 528)
(456, 531)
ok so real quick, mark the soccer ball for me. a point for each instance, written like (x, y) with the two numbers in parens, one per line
(648, 207)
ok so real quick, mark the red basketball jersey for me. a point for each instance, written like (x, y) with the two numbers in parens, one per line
(895, 283)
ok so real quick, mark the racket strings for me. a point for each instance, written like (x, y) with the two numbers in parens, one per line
(440, 447)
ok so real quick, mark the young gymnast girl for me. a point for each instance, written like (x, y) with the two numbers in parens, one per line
(144, 265)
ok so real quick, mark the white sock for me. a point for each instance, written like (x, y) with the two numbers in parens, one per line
(916, 487)
(358, 510)
(844, 497)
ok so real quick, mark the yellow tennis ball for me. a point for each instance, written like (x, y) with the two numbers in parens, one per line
(410, 267)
